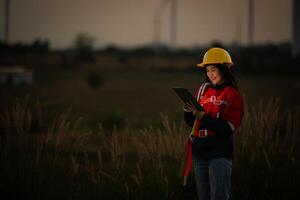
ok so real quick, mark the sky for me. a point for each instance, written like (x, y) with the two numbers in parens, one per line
(130, 23)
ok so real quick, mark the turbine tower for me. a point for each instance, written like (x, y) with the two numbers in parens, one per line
(173, 30)
(7, 21)
(251, 22)
(238, 31)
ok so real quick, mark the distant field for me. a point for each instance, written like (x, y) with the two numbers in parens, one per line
(136, 97)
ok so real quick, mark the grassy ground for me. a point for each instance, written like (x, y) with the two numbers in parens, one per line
(136, 97)
(62, 161)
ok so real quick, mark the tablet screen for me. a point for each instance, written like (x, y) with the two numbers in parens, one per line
(186, 96)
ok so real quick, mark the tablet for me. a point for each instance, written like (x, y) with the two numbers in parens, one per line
(186, 96)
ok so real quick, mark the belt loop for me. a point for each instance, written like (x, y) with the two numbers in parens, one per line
(203, 131)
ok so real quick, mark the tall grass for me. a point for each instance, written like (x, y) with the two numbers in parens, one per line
(265, 165)
(61, 160)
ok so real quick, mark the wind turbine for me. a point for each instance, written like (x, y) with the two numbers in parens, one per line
(173, 22)
(157, 21)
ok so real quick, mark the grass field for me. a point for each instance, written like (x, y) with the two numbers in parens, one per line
(51, 152)
(62, 161)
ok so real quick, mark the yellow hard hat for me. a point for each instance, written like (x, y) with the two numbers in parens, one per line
(216, 56)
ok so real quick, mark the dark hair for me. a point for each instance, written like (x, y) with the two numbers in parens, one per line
(226, 74)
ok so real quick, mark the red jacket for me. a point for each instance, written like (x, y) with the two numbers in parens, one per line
(221, 102)
(213, 134)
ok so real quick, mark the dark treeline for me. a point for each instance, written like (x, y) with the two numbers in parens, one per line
(275, 58)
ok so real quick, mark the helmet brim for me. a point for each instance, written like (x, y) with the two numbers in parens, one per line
(206, 64)
(200, 65)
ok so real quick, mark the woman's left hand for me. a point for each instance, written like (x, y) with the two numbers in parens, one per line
(193, 109)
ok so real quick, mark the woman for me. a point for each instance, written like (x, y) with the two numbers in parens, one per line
(211, 141)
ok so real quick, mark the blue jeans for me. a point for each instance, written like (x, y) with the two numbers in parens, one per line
(213, 178)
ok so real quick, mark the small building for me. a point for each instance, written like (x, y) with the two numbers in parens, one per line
(15, 75)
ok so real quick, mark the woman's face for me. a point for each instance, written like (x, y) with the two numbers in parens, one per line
(214, 74)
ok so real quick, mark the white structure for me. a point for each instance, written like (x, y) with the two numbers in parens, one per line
(296, 28)
(16, 76)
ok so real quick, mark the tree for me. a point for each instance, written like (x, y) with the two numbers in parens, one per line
(84, 48)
